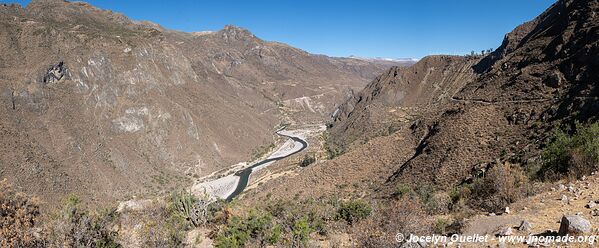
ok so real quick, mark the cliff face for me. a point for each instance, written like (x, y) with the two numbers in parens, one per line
(95, 103)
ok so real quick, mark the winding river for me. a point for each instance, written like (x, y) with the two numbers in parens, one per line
(244, 174)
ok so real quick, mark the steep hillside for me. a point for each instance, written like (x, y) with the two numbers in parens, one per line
(398, 96)
(546, 79)
(481, 142)
(491, 111)
(469, 113)
(95, 103)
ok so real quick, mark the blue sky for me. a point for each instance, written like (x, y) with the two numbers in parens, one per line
(391, 29)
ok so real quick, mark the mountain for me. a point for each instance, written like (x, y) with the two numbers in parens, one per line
(468, 111)
(97, 104)
(398, 96)
(389, 61)
(438, 127)
(541, 76)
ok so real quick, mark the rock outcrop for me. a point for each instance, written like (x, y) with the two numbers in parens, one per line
(574, 225)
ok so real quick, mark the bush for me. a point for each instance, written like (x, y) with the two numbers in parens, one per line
(459, 196)
(257, 225)
(405, 215)
(353, 211)
(308, 160)
(18, 215)
(440, 226)
(261, 151)
(74, 226)
(402, 189)
(573, 155)
(503, 184)
(281, 223)
(157, 226)
(334, 152)
(301, 231)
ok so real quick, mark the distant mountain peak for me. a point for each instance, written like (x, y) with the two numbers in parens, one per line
(234, 33)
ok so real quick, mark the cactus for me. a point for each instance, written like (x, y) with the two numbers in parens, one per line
(190, 208)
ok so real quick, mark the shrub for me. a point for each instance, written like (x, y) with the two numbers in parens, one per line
(574, 155)
(74, 226)
(405, 215)
(440, 226)
(353, 211)
(392, 128)
(219, 212)
(334, 151)
(425, 192)
(308, 160)
(503, 184)
(402, 189)
(18, 216)
(301, 231)
(459, 196)
(261, 151)
(439, 203)
(159, 226)
(257, 225)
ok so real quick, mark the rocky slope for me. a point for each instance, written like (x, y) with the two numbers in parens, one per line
(397, 96)
(495, 108)
(425, 157)
(543, 80)
(100, 105)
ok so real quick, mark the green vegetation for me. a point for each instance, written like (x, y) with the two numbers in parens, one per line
(334, 152)
(402, 189)
(390, 129)
(186, 206)
(353, 211)
(308, 160)
(572, 155)
(280, 223)
(262, 150)
(440, 226)
(239, 230)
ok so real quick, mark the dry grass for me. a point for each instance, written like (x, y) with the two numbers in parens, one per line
(18, 219)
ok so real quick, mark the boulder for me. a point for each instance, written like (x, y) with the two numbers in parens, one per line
(525, 226)
(506, 232)
(574, 225)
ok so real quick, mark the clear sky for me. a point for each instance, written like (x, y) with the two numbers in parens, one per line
(384, 28)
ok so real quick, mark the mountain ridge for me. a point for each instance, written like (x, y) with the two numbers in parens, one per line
(100, 105)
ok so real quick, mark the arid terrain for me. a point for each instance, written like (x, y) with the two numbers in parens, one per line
(123, 133)
(100, 105)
